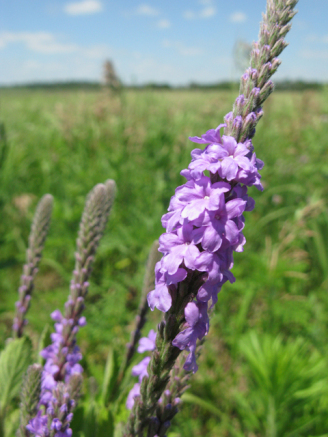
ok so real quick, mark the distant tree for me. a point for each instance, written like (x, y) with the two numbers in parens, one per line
(111, 80)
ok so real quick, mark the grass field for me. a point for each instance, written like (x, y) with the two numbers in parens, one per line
(263, 370)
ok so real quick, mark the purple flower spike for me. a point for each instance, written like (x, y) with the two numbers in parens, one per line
(62, 357)
(204, 226)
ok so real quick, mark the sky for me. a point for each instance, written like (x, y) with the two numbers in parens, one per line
(160, 41)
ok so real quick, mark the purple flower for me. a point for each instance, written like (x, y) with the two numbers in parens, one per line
(56, 316)
(53, 354)
(201, 195)
(56, 424)
(218, 226)
(147, 343)
(235, 159)
(67, 433)
(140, 369)
(231, 160)
(211, 136)
(252, 178)
(197, 326)
(160, 297)
(179, 248)
(240, 192)
(38, 425)
(134, 392)
(210, 159)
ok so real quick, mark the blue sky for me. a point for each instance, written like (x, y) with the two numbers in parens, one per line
(172, 41)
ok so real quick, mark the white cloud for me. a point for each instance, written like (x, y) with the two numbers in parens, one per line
(48, 44)
(83, 7)
(238, 17)
(208, 11)
(41, 42)
(182, 49)
(145, 9)
(163, 24)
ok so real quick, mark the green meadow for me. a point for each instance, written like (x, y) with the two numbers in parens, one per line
(263, 371)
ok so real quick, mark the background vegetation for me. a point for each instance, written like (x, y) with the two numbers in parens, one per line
(263, 370)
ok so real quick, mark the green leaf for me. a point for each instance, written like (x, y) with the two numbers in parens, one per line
(195, 400)
(274, 215)
(11, 423)
(105, 423)
(14, 360)
(77, 423)
(110, 375)
(90, 420)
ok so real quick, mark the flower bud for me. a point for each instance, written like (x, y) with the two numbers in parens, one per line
(266, 91)
(252, 101)
(255, 57)
(284, 30)
(275, 64)
(239, 104)
(264, 35)
(265, 54)
(279, 46)
(265, 74)
(236, 127)
(228, 119)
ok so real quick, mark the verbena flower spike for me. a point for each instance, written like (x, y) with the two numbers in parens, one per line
(205, 221)
(37, 238)
(61, 369)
